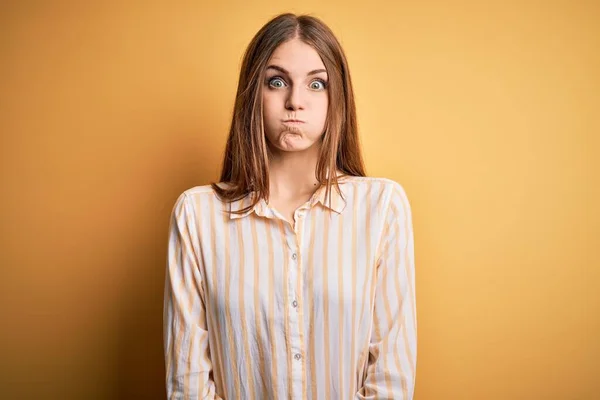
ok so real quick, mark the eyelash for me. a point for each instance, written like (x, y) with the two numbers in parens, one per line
(271, 79)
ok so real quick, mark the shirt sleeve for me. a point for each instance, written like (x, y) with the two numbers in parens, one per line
(393, 344)
(185, 335)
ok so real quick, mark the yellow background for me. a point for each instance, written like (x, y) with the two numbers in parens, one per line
(485, 111)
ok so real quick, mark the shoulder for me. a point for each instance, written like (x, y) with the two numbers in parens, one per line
(389, 189)
(389, 195)
(201, 191)
(197, 196)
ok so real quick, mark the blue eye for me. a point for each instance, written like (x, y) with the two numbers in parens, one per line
(277, 82)
(317, 87)
(276, 79)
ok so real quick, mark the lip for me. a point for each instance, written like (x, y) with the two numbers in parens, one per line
(293, 121)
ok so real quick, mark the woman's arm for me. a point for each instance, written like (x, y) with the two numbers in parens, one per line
(393, 345)
(187, 354)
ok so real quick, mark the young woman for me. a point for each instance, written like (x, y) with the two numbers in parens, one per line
(293, 277)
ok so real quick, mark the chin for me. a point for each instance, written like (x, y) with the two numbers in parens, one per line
(303, 146)
(293, 149)
(291, 146)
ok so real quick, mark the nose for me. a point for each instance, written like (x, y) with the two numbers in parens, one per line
(295, 100)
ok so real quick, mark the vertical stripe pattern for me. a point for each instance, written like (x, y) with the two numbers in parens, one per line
(320, 307)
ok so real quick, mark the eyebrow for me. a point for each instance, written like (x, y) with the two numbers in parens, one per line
(281, 69)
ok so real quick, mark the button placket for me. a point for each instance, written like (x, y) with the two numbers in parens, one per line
(296, 350)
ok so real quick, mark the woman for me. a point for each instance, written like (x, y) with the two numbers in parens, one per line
(286, 281)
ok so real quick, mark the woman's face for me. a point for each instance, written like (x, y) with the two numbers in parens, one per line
(294, 88)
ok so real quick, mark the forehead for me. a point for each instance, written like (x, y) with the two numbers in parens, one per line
(297, 57)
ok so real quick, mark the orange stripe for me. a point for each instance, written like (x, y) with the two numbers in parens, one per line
(376, 329)
(386, 302)
(234, 356)
(402, 316)
(355, 217)
(388, 313)
(191, 285)
(257, 308)
(341, 302)
(372, 299)
(301, 305)
(186, 386)
(169, 332)
(179, 317)
(311, 306)
(383, 285)
(407, 260)
(377, 334)
(401, 301)
(407, 230)
(272, 302)
(245, 341)
(328, 379)
(286, 310)
(376, 326)
(370, 265)
(410, 296)
(218, 357)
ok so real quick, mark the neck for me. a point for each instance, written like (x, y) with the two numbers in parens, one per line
(293, 174)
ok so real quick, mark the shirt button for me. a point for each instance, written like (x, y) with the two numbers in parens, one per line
(295, 303)
(294, 256)
(297, 356)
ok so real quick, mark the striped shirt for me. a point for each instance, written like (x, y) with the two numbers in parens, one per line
(322, 307)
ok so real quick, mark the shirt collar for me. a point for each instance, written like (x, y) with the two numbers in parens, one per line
(338, 203)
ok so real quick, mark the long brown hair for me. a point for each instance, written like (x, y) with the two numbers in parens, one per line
(245, 166)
